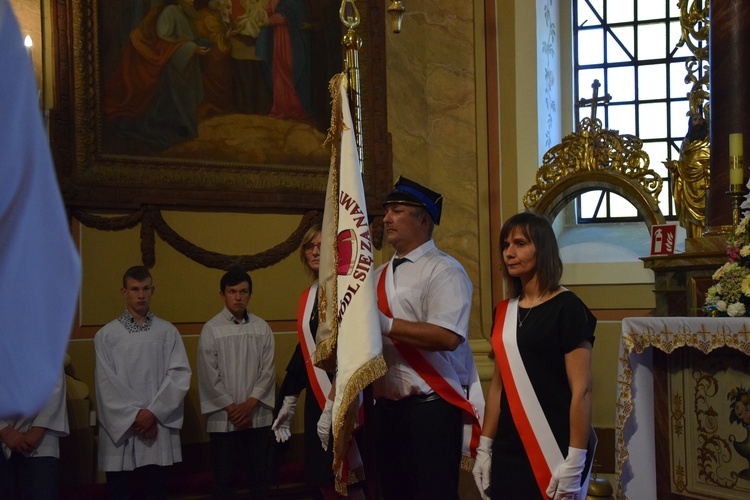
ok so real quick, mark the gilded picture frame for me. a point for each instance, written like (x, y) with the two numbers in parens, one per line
(99, 167)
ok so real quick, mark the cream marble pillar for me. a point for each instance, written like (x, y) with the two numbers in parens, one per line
(432, 118)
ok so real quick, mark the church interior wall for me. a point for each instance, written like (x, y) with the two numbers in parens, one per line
(437, 112)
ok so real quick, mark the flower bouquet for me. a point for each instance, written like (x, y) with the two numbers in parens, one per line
(730, 294)
(739, 413)
(739, 406)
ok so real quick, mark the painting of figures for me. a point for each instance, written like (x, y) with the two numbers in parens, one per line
(217, 103)
(226, 80)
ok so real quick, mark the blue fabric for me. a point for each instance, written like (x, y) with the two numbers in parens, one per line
(39, 265)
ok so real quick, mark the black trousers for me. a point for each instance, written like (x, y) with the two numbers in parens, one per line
(418, 448)
(230, 448)
(144, 482)
(34, 478)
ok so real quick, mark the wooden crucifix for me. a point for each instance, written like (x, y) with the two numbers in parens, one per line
(593, 102)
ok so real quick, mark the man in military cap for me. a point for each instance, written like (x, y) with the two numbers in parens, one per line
(424, 297)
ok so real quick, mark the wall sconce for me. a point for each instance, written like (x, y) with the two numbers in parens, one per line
(396, 11)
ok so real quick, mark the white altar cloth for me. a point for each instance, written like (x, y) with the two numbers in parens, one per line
(634, 430)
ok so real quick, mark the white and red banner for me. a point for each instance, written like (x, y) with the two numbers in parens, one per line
(348, 338)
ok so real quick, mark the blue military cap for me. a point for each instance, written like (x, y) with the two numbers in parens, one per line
(408, 192)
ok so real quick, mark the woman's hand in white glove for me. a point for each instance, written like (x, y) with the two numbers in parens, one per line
(566, 480)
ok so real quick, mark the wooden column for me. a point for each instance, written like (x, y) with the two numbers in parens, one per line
(729, 46)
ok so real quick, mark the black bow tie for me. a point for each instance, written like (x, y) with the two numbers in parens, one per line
(398, 262)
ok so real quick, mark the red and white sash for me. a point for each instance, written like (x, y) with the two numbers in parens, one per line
(438, 373)
(536, 434)
(319, 381)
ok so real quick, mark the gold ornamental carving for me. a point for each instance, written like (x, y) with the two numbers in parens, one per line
(604, 158)
(691, 172)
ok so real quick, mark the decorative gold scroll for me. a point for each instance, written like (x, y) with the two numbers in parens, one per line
(595, 150)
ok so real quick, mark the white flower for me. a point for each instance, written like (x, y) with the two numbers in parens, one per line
(731, 289)
(736, 309)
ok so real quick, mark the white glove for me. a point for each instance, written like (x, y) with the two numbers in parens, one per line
(324, 424)
(281, 426)
(483, 466)
(566, 480)
(386, 324)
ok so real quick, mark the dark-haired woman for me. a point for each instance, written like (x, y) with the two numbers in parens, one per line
(538, 413)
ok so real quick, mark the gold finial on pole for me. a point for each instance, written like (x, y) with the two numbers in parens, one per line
(352, 42)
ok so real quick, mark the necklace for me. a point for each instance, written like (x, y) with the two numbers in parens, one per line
(521, 321)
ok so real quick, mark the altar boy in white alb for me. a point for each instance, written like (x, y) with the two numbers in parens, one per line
(236, 381)
(142, 376)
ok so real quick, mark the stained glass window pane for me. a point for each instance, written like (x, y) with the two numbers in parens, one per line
(654, 9)
(651, 41)
(624, 50)
(665, 200)
(586, 16)
(621, 83)
(652, 121)
(620, 11)
(620, 207)
(677, 86)
(591, 46)
(588, 204)
(675, 34)
(651, 82)
(622, 118)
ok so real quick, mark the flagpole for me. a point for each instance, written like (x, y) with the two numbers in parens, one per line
(352, 42)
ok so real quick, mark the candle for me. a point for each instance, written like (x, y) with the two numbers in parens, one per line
(28, 43)
(735, 175)
(735, 144)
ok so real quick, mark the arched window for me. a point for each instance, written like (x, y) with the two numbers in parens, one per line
(631, 47)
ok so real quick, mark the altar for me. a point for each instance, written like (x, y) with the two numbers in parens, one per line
(680, 428)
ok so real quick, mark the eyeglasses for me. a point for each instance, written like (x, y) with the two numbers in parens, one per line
(310, 247)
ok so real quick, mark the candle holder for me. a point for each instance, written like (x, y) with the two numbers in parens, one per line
(736, 197)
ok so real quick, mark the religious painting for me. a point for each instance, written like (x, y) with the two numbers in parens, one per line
(211, 103)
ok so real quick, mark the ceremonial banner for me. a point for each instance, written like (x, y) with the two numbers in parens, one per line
(349, 341)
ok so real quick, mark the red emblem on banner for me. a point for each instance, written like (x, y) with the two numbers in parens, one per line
(347, 245)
